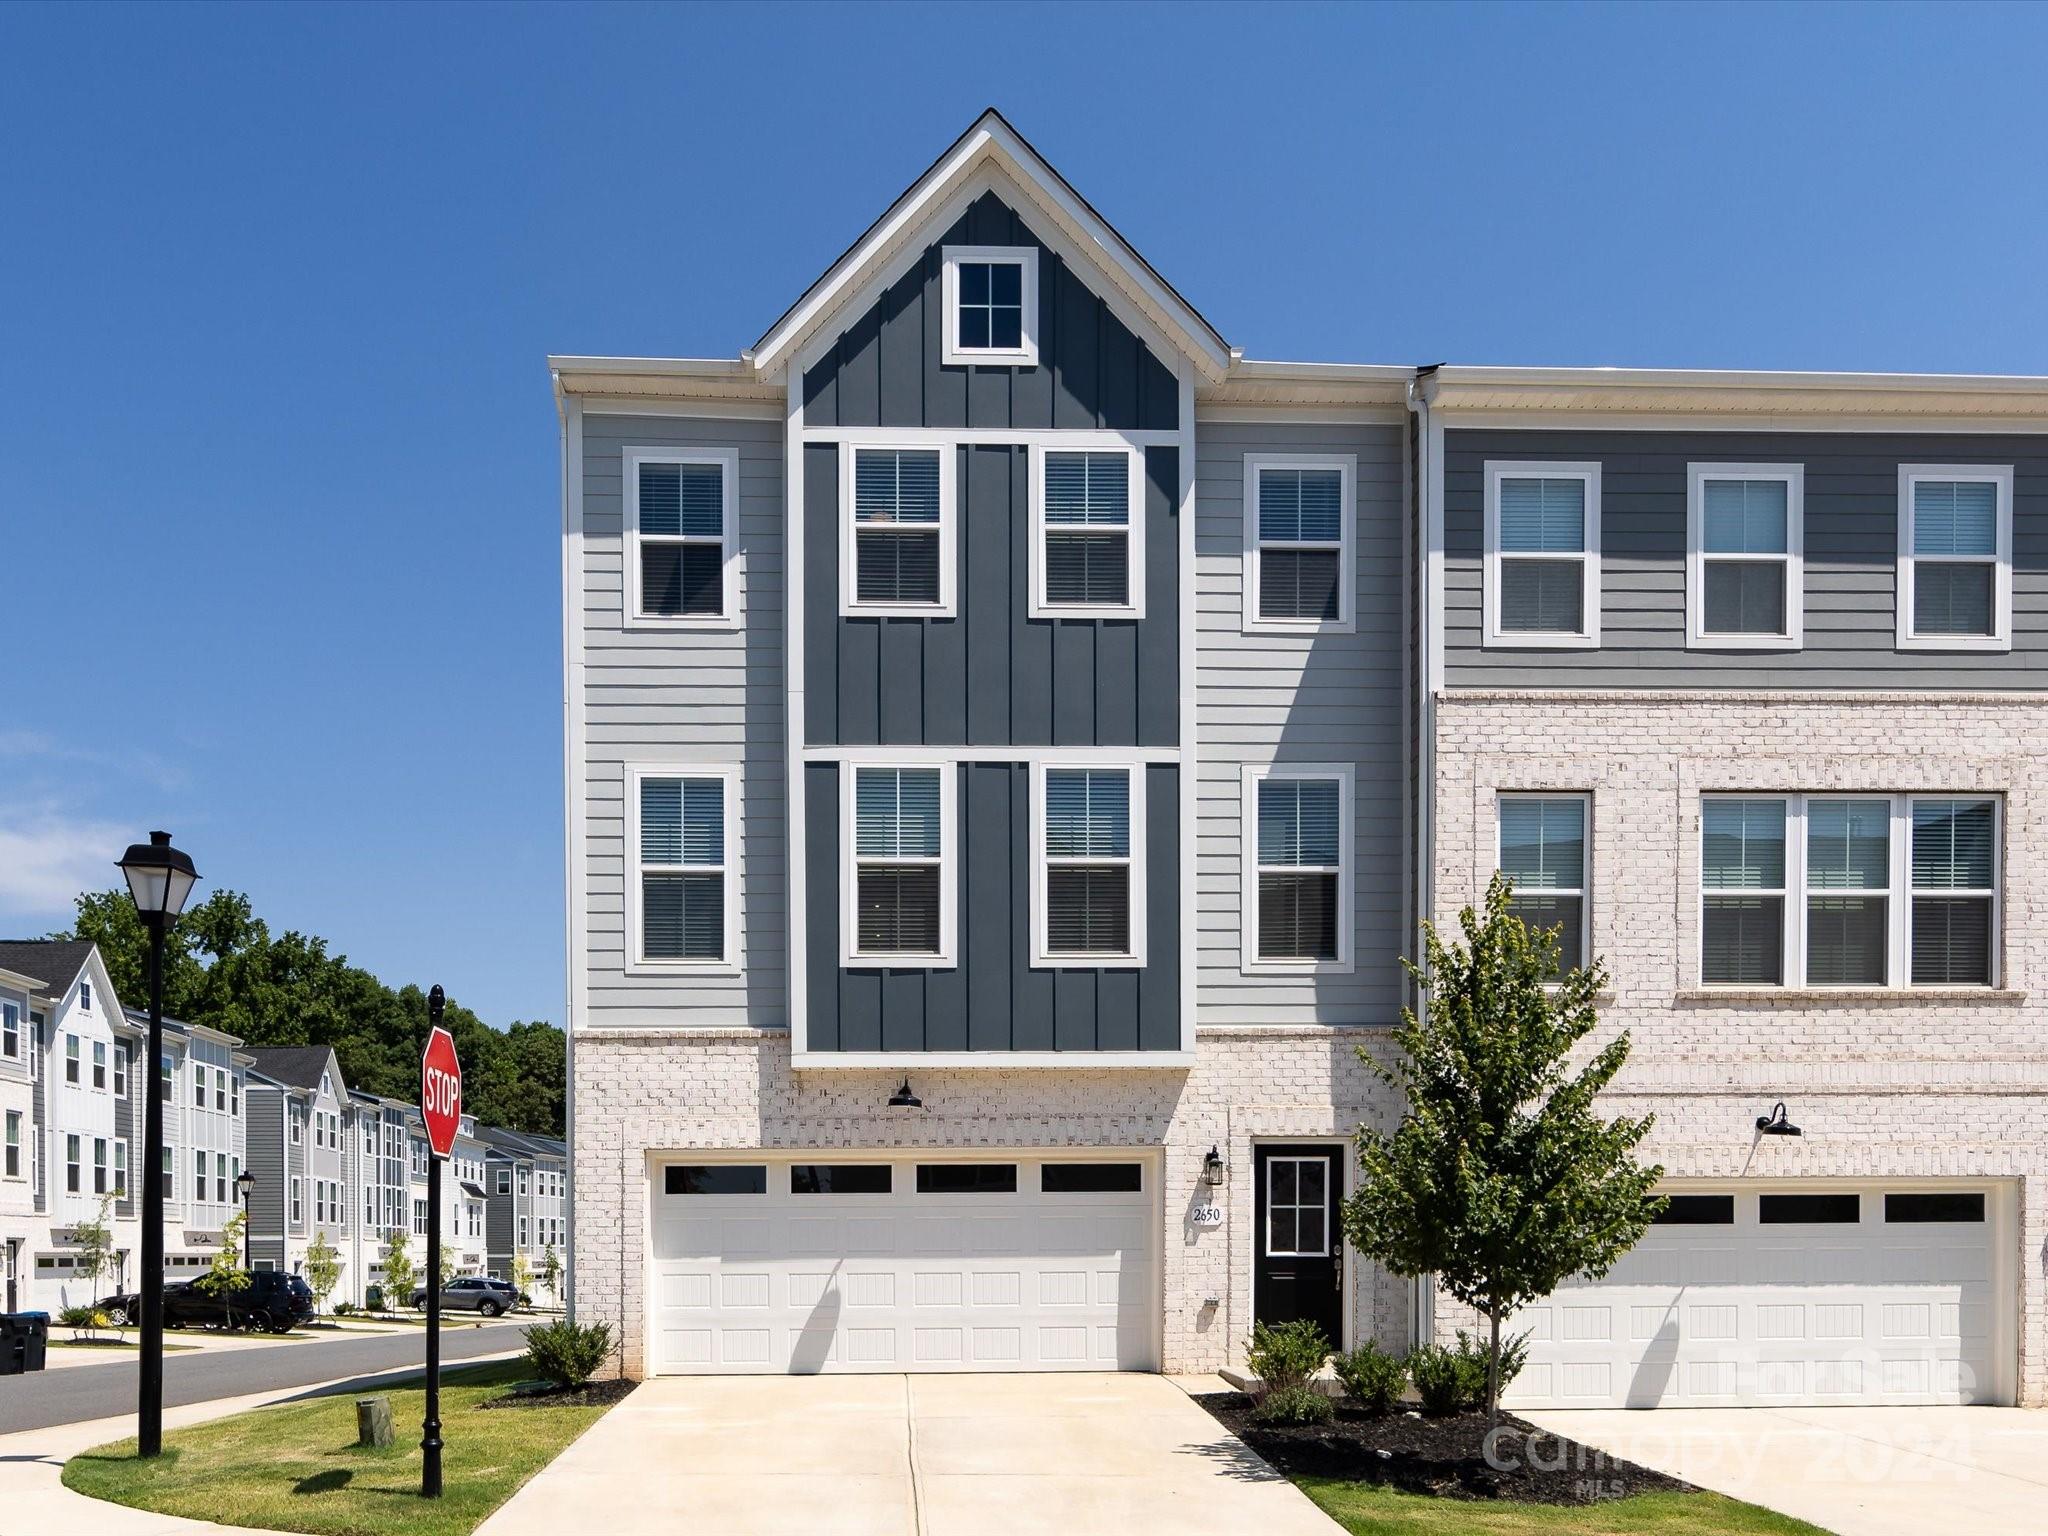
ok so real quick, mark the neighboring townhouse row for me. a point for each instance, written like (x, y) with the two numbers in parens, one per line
(320, 1162)
(1013, 738)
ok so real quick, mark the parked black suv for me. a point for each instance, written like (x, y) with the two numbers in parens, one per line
(271, 1300)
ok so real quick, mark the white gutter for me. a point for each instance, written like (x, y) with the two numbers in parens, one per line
(570, 768)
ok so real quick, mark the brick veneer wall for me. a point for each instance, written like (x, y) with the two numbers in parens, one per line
(638, 1093)
(1949, 1083)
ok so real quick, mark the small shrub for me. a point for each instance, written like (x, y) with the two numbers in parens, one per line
(1286, 1355)
(344, 1309)
(83, 1319)
(1372, 1377)
(1293, 1405)
(1514, 1354)
(1447, 1380)
(568, 1354)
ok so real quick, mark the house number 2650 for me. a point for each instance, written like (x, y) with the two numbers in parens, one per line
(1208, 1216)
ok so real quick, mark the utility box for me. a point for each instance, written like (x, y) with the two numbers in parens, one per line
(24, 1337)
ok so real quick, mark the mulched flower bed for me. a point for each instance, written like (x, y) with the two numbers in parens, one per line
(593, 1394)
(1447, 1458)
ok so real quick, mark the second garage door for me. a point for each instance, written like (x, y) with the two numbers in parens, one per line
(816, 1264)
(1807, 1294)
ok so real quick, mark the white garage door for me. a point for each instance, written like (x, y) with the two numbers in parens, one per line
(807, 1264)
(1811, 1294)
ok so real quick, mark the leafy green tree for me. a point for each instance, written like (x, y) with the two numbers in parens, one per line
(1501, 1180)
(551, 1272)
(398, 1275)
(522, 1274)
(226, 1274)
(95, 1240)
(323, 1269)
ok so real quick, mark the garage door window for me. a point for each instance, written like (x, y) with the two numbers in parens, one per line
(1947, 1207)
(1697, 1211)
(1808, 1210)
(839, 1179)
(967, 1178)
(1091, 1178)
(715, 1179)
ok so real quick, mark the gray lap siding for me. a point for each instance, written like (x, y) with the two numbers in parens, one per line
(1851, 561)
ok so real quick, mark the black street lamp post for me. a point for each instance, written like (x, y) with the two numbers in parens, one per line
(243, 1186)
(159, 879)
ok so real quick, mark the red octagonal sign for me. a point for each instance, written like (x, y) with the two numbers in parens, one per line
(440, 1091)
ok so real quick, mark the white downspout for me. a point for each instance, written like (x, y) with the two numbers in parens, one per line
(1428, 512)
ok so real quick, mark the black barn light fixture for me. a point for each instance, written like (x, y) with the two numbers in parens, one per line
(903, 1098)
(1775, 1123)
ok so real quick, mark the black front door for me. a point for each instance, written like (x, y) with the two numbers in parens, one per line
(1299, 1258)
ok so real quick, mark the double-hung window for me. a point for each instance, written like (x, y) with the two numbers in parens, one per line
(71, 1059)
(1089, 885)
(682, 508)
(899, 907)
(686, 898)
(897, 508)
(1087, 532)
(1543, 851)
(121, 1070)
(10, 1030)
(1297, 868)
(1298, 559)
(99, 1064)
(121, 1168)
(99, 1165)
(1849, 890)
(13, 1143)
(1542, 545)
(71, 1165)
(198, 1085)
(1744, 562)
(1955, 557)
(991, 298)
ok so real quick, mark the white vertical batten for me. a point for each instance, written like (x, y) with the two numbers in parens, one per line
(1188, 774)
(795, 877)
(576, 979)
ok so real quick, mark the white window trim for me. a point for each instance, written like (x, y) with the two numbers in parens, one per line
(637, 961)
(1588, 638)
(2000, 639)
(1898, 894)
(946, 607)
(1250, 961)
(1024, 355)
(1346, 622)
(728, 461)
(1584, 890)
(1042, 955)
(1037, 605)
(1697, 636)
(851, 957)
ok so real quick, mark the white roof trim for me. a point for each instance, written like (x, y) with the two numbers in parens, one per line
(1753, 394)
(992, 140)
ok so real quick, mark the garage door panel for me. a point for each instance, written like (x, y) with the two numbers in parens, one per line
(794, 1277)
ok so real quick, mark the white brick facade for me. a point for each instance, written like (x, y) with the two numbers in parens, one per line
(1926, 1082)
(640, 1095)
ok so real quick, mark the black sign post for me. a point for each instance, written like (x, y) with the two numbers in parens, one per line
(430, 1442)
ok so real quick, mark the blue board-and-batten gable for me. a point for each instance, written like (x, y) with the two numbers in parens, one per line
(886, 369)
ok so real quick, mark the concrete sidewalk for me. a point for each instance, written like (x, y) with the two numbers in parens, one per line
(1854, 1471)
(909, 1456)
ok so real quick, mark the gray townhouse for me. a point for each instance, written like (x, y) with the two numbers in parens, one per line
(526, 1185)
(1012, 737)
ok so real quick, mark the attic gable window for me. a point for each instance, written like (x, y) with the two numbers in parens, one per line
(991, 298)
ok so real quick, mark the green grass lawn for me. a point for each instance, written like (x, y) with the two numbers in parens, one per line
(1367, 1511)
(297, 1467)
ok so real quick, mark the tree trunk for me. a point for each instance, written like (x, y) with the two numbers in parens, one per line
(1493, 1369)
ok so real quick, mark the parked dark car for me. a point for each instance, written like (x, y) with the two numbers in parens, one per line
(277, 1302)
(476, 1293)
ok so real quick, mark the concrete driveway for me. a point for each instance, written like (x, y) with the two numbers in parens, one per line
(909, 1456)
(1854, 1471)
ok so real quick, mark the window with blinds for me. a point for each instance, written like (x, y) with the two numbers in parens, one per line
(1955, 568)
(683, 869)
(898, 842)
(897, 516)
(681, 535)
(1541, 554)
(1890, 890)
(1745, 573)
(1086, 845)
(1543, 851)
(1299, 553)
(1300, 868)
(1085, 527)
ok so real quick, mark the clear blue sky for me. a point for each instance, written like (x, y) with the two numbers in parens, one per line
(278, 475)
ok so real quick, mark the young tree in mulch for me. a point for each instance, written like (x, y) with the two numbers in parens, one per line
(323, 1269)
(522, 1274)
(1502, 1179)
(551, 1272)
(96, 1254)
(227, 1274)
(397, 1271)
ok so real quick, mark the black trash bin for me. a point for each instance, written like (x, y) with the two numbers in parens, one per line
(24, 1336)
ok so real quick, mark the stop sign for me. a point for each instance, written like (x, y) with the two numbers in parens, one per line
(440, 1091)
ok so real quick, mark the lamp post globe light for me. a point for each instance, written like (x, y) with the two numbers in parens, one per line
(160, 878)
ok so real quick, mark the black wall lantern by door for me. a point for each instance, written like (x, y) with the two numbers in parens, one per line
(1212, 1169)
(1775, 1123)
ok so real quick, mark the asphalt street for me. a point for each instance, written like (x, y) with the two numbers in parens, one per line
(66, 1396)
